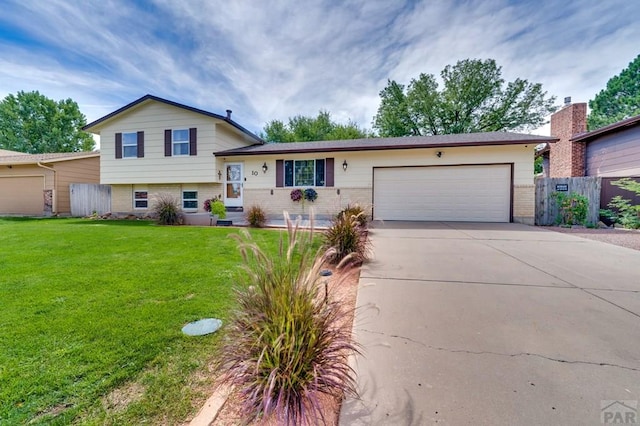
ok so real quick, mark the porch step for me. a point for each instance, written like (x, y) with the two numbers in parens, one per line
(234, 209)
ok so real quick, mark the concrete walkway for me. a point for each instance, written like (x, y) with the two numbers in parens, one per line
(494, 324)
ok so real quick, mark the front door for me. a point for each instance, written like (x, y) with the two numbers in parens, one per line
(233, 184)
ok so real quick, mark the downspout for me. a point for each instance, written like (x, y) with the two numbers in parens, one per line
(54, 200)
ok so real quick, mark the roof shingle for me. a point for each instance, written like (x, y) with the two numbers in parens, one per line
(373, 144)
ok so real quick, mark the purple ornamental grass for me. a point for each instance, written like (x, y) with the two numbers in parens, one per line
(347, 240)
(285, 346)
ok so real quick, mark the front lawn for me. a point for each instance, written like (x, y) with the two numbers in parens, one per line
(91, 315)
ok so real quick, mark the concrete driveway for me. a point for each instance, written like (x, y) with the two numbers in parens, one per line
(466, 323)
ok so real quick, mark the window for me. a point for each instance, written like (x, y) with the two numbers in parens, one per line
(180, 142)
(304, 172)
(129, 145)
(140, 199)
(190, 200)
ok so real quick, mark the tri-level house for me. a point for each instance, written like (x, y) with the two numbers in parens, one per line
(153, 145)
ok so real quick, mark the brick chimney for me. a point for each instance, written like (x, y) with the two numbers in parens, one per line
(567, 159)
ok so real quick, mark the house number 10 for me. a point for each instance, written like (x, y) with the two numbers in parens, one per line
(254, 173)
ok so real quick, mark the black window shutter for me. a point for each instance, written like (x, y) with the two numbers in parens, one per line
(193, 141)
(319, 172)
(279, 173)
(329, 172)
(167, 143)
(140, 144)
(288, 172)
(118, 145)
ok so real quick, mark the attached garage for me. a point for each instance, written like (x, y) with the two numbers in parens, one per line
(38, 184)
(465, 193)
(473, 177)
(21, 195)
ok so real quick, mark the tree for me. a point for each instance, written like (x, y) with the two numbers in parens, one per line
(474, 98)
(304, 129)
(32, 123)
(619, 100)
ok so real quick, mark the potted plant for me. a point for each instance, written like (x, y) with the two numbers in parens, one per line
(216, 207)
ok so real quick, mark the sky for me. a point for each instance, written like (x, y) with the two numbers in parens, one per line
(269, 60)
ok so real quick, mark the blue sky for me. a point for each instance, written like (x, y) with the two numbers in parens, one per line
(274, 59)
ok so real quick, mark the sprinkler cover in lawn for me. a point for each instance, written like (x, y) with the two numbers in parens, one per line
(202, 327)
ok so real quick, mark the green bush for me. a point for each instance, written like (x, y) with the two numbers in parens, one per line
(358, 211)
(167, 210)
(215, 206)
(622, 212)
(285, 345)
(347, 240)
(256, 216)
(573, 208)
(218, 209)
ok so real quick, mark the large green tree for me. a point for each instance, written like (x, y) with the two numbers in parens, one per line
(303, 129)
(474, 98)
(619, 100)
(32, 123)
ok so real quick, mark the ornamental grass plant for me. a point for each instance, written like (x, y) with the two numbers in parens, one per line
(166, 210)
(347, 238)
(358, 211)
(256, 216)
(286, 345)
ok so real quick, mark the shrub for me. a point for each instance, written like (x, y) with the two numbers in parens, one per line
(167, 210)
(573, 208)
(285, 345)
(347, 239)
(622, 212)
(358, 211)
(216, 207)
(256, 216)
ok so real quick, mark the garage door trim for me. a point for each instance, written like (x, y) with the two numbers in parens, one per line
(511, 166)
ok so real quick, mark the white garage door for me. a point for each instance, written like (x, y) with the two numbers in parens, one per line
(449, 193)
(21, 195)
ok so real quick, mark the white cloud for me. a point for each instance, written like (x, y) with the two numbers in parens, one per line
(278, 59)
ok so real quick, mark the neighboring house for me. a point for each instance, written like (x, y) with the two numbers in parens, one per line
(38, 184)
(611, 152)
(154, 146)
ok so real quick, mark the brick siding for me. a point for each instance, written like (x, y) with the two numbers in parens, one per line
(567, 159)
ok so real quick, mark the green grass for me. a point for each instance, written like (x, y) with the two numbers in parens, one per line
(95, 308)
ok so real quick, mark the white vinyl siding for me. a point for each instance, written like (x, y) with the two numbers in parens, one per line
(478, 193)
(154, 118)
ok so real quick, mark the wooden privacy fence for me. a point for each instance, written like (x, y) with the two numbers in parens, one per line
(547, 211)
(88, 198)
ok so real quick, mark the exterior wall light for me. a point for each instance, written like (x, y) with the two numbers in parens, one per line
(345, 165)
(439, 154)
(265, 167)
(219, 174)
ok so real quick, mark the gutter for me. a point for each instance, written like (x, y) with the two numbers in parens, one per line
(54, 203)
